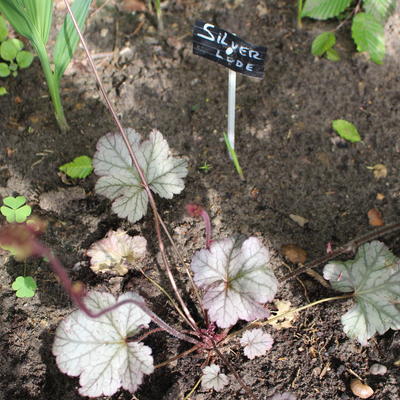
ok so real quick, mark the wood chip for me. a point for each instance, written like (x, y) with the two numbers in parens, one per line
(294, 254)
(375, 217)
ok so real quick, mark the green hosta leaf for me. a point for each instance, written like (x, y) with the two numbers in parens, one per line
(380, 9)
(8, 50)
(322, 43)
(119, 180)
(374, 276)
(4, 70)
(324, 9)
(67, 38)
(97, 349)
(25, 286)
(3, 29)
(79, 167)
(346, 130)
(236, 279)
(14, 209)
(368, 34)
(3, 90)
(24, 59)
(332, 55)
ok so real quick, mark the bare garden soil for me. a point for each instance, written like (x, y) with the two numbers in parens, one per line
(293, 164)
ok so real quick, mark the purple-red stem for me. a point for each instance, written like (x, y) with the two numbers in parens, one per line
(194, 210)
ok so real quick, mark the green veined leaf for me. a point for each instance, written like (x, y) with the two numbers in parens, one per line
(40, 14)
(3, 29)
(374, 277)
(322, 43)
(332, 55)
(346, 130)
(380, 9)
(368, 35)
(15, 13)
(79, 167)
(24, 59)
(324, 9)
(4, 70)
(67, 38)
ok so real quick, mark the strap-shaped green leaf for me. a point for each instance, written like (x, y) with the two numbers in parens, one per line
(67, 38)
(40, 13)
(324, 9)
(368, 34)
(16, 15)
(380, 9)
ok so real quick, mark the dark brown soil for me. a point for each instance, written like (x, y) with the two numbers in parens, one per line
(293, 164)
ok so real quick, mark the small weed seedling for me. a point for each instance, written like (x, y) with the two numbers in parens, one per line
(346, 130)
(12, 55)
(367, 27)
(24, 286)
(15, 209)
(33, 21)
(80, 167)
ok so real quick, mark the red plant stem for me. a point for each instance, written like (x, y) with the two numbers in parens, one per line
(349, 247)
(194, 210)
(77, 294)
(189, 318)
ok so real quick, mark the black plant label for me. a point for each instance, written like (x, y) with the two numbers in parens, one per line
(228, 49)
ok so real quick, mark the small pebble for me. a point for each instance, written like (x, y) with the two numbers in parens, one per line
(377, 369)
(360, 389)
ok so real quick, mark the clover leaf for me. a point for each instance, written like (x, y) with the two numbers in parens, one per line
(14, 209)
(97, 349)
(79, 167)
(25, 286)
(119, 180)
(237, 281)
(374, 277)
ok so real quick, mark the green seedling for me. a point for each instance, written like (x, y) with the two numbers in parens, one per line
(346, 130)
(15, 209)
(368, 18)
(234, 157)
(206, 167)
(79, 167)
(33, 21)
(24, 286)
(12, 55)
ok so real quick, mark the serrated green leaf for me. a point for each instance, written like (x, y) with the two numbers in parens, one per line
(8, 50)
(79, 167)
(24, 59)
(4, 70)
(3, 90)
(25, 286)
(374, 277)
(67, 38)
(369, 36)
(380, 9)
(119, 180)
(324, 9)
(3, 29)
(346, 130)
(322, 43)
(332, 55)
